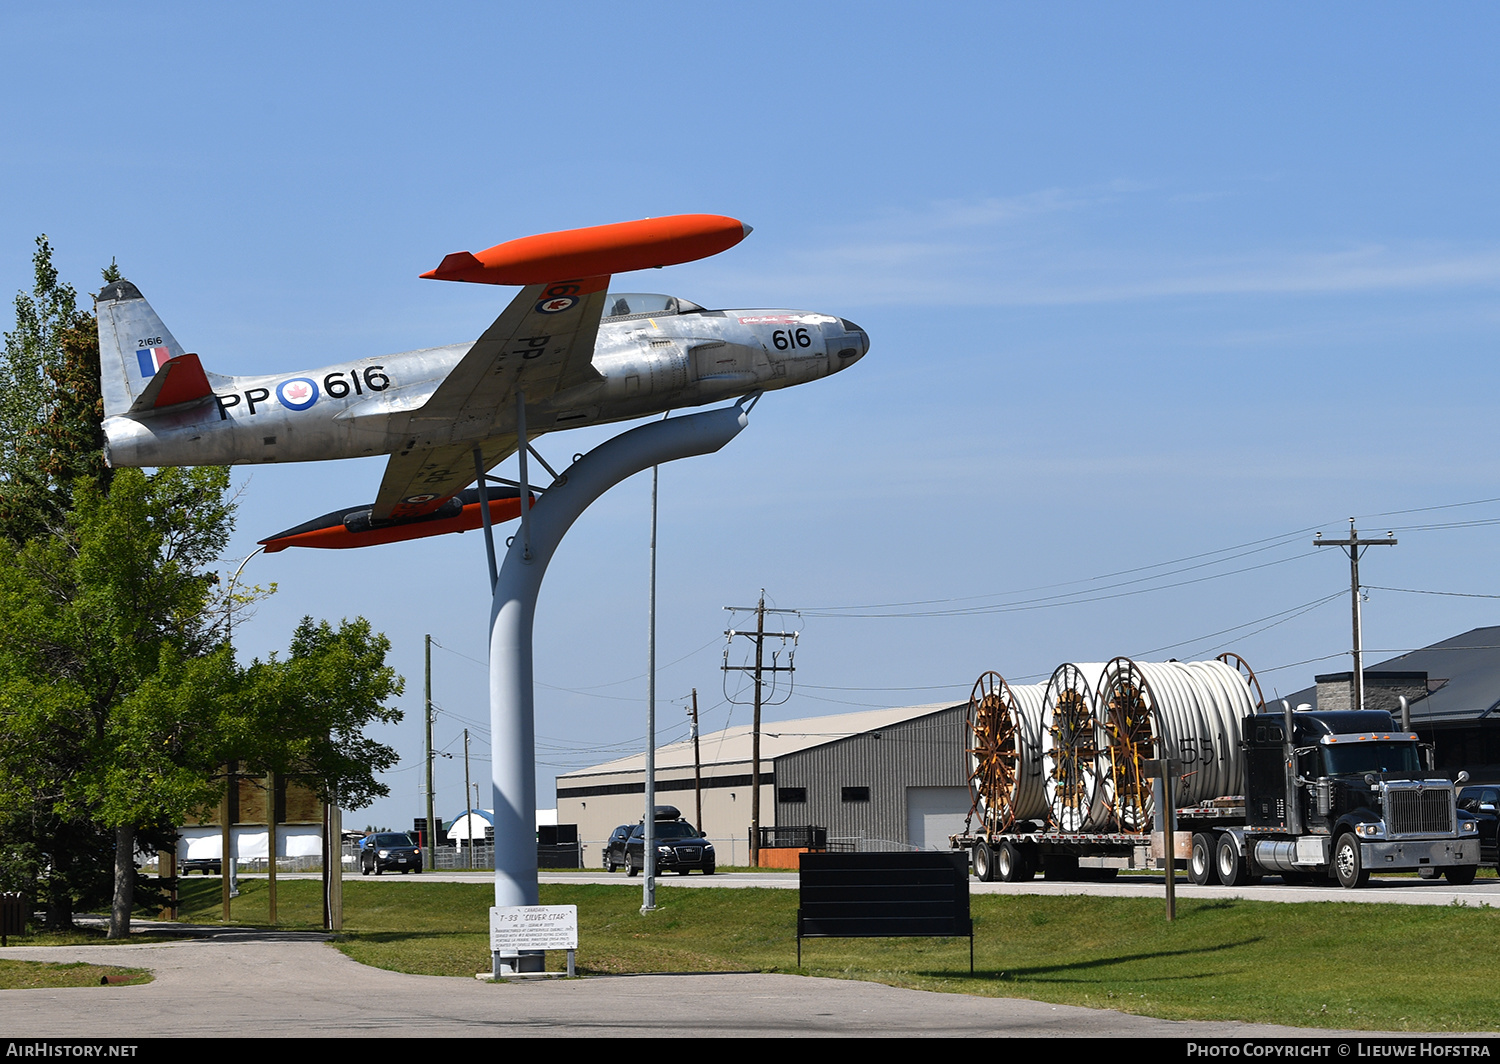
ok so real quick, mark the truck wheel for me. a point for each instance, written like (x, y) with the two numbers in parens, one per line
(984, 865)
(1231, 866)
(1201, 863)
(1011, 863)
(1347, 864)
(1461, 875)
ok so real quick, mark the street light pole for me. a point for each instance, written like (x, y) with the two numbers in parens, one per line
(226, 850)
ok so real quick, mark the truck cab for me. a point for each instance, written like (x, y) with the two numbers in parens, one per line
(1342, 793)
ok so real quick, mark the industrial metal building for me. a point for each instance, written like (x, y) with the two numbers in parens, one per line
(880, 779)
(1453, 688)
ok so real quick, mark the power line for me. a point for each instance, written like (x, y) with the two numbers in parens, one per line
(1418, 591)
(1084, 595)
(1055, 601)
(1284, 615)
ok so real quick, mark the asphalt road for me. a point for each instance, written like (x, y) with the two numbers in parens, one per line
(1401, 890)
(249, 983)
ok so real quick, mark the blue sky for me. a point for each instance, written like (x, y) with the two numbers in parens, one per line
(1143, 284)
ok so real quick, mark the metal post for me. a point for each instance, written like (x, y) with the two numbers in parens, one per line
(513, 612)
(648, 840)
(469, 816)
(487, 521)
(522, 449)
(1168, 823)
(1163, 769)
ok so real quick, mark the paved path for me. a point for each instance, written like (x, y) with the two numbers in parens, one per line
(235, 983)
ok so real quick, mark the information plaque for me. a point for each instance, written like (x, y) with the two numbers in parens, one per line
(528, 927)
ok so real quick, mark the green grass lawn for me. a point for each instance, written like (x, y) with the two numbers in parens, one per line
(33, 975)
(1322, 964)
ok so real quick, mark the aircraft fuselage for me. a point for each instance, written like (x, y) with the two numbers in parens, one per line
(645, 364)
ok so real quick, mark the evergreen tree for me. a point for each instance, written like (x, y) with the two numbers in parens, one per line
(51, 338)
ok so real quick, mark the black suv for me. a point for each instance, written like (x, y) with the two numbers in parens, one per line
(388, 849)
(680, 847)
(614, 849)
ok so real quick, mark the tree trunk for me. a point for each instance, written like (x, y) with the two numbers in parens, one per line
(124, 901)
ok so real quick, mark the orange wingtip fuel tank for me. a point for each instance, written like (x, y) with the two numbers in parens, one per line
(596, 251)
(352, 527)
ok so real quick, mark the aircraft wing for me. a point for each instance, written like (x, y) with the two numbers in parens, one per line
(543, 343)
(418, 481)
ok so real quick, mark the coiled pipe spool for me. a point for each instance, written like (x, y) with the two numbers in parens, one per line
(1240, 665)
(1072, 747)
(1190, 711)
(1005, 754)
(1126, 704)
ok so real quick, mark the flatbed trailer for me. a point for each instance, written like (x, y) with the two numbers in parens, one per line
(1416, 829)
(1020, 855)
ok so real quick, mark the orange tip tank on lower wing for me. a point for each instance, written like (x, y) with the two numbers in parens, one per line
(352, 527)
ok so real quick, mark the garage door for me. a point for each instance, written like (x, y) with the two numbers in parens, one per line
(934, 813)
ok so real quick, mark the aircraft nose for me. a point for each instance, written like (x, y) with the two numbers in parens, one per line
(852, 348)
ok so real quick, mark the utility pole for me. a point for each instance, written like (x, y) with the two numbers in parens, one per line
(758, 670)
(1354, 547)
(697, 769)
(431, 826)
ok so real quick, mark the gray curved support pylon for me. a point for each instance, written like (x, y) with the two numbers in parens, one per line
(512, 705)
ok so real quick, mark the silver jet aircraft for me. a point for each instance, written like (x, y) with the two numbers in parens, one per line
(566, 352)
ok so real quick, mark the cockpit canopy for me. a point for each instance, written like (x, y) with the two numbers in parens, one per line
(621, 306)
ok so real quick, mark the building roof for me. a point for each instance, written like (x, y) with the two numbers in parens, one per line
(777, 739)
(1463, 678)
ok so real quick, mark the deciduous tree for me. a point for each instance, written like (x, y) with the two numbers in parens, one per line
(119, 695)
(114, 676)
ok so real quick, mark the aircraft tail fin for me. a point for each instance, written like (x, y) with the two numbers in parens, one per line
(134, 345)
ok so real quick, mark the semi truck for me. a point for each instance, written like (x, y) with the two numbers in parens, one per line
(1327, 795)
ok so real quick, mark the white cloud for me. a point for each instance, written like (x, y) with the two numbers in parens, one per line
(1043, 248)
